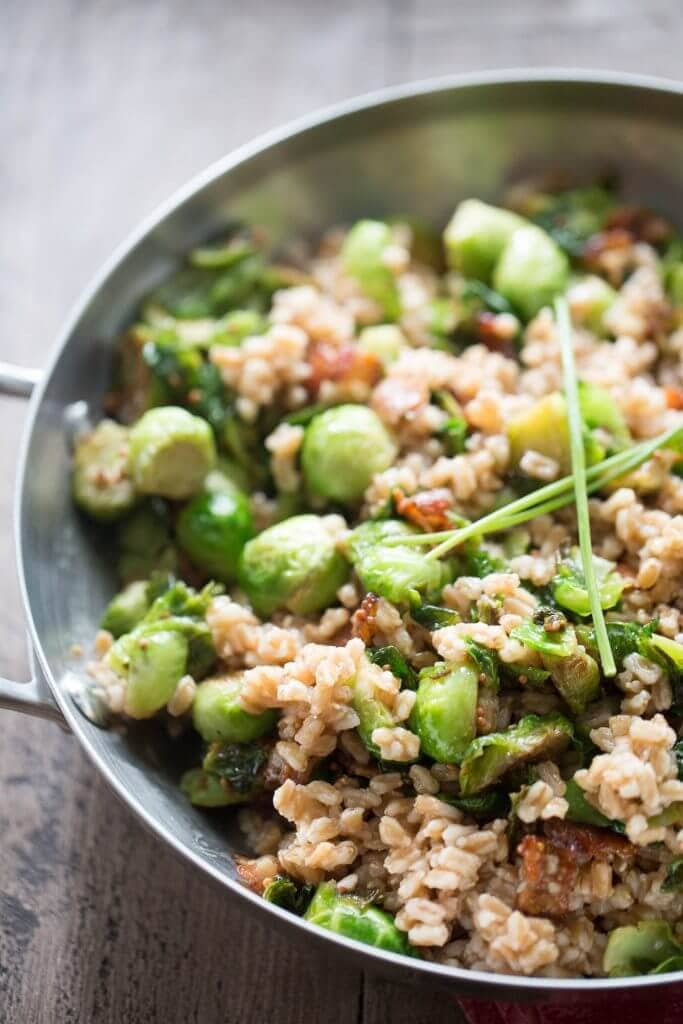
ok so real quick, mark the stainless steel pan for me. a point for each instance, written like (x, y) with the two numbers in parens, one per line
(416, 149)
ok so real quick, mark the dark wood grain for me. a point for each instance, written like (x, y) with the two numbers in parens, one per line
(105, 108)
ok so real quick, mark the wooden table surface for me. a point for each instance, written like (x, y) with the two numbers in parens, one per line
(105, 108)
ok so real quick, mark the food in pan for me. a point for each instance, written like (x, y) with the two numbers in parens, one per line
(399, 532)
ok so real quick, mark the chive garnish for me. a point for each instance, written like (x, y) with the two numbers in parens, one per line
(542, 501)
(571, 390)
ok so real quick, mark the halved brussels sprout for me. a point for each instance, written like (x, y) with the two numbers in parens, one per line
(358, 919)
(648, 947)
(102, 484)
(127, 608)
(400, 574)
(444, 714)
(218, 716)
(532, 270)
(214, 527)
(363, 258)
(533, 738)
(343, 449)
(476, 236)
(171, 452)
(294, 564)
(569, 585)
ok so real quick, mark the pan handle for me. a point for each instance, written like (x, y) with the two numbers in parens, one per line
(18, 380)
(33, 697)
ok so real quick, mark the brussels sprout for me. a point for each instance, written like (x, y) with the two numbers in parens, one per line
(363, 258)
(152, 664)
(171, 451)
(671, 815)
(289, 894)
(599, 409)
(231, 773)
(531, 271)
(182, 609)
(343, 449)
(569, 585)
(371, 710)
(444, 714)
(102, 484)
(217, 714)
(533, 738)
(476, 236)
(125, 610)
(572, 216)
(624, 638)
(399, 574)
(559, 643)
(590, 298)
(294, 564)
(453, 433)
(390, 658)
(206, 790)
(384, 341)
(643, 948)
(214, 527)
(576, 678)
(542, 428)
(145, 544)
(357, 919)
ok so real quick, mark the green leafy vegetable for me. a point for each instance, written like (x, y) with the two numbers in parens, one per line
(390, 658)
(357, 919)
(444, 714)
(239, 764)
(285, 892)
(674, 876)
(646, 948)
(433, 616)
(481, 806)
(571, 590)
(531, 739)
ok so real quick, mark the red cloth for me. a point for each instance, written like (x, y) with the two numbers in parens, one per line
(661, 1005)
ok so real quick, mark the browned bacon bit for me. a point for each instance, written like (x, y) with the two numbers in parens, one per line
(586, 842)
(490, 334)
(427, 509)
(674, 398)
(642, 223)
(247, 872)
(343, 364)
(363, 622)
(550, 864)
(548, 877)
(606, 241)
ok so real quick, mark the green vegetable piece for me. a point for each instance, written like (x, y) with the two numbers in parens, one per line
(285, 892)
(433, 616)
(671, 815)
(542, 428)
(486, 661)
(583, 812)
(559, 643)
(576, 678)
(384, 341)
(533, 738)
(294, 564)
(101, 480)
(152, 663)
(213, 529)
(599, 409)
(171, 451)
(476, 237)
(390, 658)
(531, 271)
(639, 949)
(674, 876)
(145, 544)
(356, 919)
(400, 574)
(126, 609)
(591, 298)
(482, 807)
(218, 716)
(372, 712)
(343, 449)
(569, 585)
(239, 766)
(444, 714)
(363, 258)
(204, 789)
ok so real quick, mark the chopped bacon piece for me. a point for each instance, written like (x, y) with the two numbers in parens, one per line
(363, 622)
(674, 398)
(490, 335)
(550, 864)
(642, 223)
(342, 363)
(604, 241)
(427, 509)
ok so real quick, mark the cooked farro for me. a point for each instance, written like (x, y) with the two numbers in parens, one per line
(439, 737)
